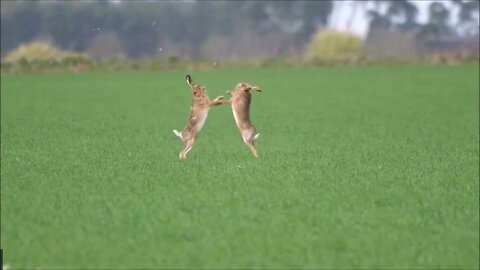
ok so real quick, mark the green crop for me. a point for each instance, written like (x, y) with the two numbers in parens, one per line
(373, 167)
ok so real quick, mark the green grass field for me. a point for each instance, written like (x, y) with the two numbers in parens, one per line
(372, 167)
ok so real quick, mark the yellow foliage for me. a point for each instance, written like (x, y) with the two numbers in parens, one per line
(331, 45)
(40, 51)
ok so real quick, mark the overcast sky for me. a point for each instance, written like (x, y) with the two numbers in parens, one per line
(343, 11)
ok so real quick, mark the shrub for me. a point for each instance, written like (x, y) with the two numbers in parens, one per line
(40, 51)
(330, 47)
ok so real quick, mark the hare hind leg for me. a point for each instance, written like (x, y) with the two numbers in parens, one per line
(252, 148)
(187, 146)
(249, 138)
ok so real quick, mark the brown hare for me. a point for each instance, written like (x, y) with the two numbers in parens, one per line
(240, 101)
(198, 115)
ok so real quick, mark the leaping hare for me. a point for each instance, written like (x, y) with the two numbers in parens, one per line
(198, 115)
(240, 101)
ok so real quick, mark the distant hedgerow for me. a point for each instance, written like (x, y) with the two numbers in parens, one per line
(331, 46)
(41, 51)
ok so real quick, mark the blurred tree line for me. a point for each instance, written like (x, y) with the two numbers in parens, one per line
(218, 29)
(394, 25)
(150, 28)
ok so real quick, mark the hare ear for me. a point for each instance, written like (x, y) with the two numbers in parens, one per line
(189, 80)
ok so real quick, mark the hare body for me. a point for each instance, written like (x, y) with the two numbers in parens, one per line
(240, 103)
(198, 116)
